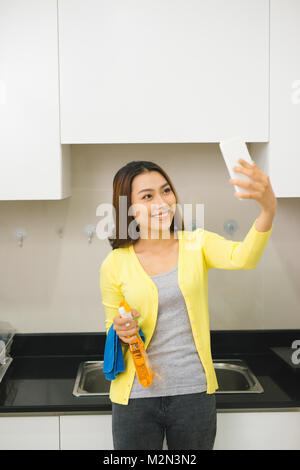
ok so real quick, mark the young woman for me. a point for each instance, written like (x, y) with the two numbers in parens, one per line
(161, 271)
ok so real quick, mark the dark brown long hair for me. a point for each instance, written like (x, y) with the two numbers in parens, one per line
(122, 185)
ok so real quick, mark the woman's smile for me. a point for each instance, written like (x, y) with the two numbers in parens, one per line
(162, 215)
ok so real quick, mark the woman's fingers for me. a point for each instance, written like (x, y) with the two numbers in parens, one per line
(123, 322)
(123, 327)
(125, 332)
(128, 331)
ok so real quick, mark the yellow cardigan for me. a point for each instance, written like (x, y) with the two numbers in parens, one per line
(122, 277)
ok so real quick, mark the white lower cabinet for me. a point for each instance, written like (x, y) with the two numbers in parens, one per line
(270, 430)
(258, 430)
(29, 433)
(86, 432)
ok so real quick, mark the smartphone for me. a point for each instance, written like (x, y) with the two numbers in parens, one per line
(232, 149)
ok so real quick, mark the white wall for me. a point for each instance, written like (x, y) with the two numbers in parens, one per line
(51, 284)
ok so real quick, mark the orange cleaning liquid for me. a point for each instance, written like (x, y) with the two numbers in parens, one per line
(136, 346)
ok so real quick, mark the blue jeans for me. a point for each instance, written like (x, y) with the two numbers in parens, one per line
(188, 420)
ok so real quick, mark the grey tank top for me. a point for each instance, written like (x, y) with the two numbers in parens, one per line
(171, 351)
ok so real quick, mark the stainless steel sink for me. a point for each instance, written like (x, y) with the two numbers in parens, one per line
(90, 380)
(233, 375)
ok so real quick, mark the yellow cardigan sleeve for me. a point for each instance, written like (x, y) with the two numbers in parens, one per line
(110, 289)
(221, 253)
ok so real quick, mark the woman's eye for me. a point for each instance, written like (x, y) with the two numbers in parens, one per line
(167, 189)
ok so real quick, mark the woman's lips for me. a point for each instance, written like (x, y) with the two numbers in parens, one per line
(162, 215)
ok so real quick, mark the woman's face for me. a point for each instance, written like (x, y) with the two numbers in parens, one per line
(150, 195)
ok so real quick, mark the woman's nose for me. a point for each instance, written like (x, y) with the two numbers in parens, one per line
(159, 202)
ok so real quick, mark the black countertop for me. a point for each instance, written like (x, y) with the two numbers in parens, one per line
(41, 376)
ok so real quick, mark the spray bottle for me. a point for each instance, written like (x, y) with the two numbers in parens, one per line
(136, 346)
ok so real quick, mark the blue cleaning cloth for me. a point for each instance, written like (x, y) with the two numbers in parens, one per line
(113, 356)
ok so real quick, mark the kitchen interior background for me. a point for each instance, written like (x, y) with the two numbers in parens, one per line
(51, 284)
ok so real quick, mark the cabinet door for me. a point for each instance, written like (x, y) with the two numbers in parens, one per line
(29, 433)
(284, 146)
(269, 430)
(280, 157)
(86, 432)
(33, 164)
(171, 71)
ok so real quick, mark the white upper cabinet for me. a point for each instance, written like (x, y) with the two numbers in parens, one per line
(283, 151)
(33, 163)
(163, 70)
